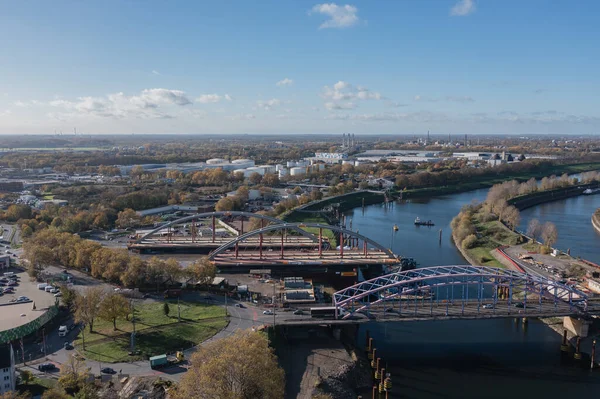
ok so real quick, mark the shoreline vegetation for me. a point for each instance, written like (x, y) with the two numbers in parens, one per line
(596, 220)
(479, 229)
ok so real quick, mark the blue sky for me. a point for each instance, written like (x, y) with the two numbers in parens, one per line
(278, 66)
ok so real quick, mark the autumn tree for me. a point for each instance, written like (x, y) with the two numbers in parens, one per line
(73, 374)
(534, 229)
(203, 271)
(112, 307)
(87, 306)
(512, 217)
(15, 395)
(270, 180)
(55, 393)
(549, 234)
(240, 366)
(128, 218)
(255, 178)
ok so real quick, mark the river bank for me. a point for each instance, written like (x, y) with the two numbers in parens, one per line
(317, 361)
(596, 220)
(487, 182)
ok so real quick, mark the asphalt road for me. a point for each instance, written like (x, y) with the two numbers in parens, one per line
(245, 318)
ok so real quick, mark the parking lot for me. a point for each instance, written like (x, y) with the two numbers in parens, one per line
(13, 313)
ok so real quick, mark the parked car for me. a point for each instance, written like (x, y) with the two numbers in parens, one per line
(68, 346)
(47, 367)
(488, 306)
(58, 294)
(239, 305)
(12, 283)
(108, 370)
(268, 312)
(520, 305)
(298, 312)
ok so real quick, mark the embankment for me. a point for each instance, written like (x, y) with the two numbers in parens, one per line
(596, 220)
(479, 182)
(541, 197)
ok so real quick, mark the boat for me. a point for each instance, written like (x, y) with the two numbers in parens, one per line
(591, 191)
(395, 227)
(419, 222)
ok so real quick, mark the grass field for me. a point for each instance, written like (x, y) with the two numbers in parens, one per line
(300, 217)
(37, 386)
(155, 333)
(490, 235)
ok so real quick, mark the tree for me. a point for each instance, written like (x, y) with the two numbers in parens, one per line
(255, 178)
(225, 204)
(549, 234)
(17, 211)
(86, 306)
(55, 393)
(240, 366)
(534, 228)
(166, 309)
(270, 180)
(499, 207)
(73, 374)
(512, 217)
(15, 395)
(203, 271)
(69, 296)
(128, 218)
(112, 307)
(26, 376)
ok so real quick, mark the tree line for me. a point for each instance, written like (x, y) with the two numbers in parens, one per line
(51, 248)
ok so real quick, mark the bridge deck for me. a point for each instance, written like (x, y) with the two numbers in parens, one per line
(332, 257)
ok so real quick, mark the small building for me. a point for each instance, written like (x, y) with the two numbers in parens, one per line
(4, 262)
(594, 285)
(8, 377)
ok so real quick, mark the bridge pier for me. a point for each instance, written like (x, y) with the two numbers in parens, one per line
(578, 327)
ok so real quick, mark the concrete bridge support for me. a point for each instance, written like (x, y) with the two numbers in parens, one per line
(579, 327)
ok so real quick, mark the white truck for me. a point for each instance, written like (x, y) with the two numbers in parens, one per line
(62, 331)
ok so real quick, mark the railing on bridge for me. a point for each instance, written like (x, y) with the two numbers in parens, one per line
(359, 247)
(459, 291)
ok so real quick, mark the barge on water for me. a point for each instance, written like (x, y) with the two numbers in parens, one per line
(419, 222)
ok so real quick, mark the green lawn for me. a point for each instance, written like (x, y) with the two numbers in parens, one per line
(301, 217)
(155, 333)
(37, 386)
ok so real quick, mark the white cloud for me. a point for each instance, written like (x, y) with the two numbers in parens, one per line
(339, 16)
(243, 117)
(455, 99)
(463, 8)
(209, 98)
(228, 97)
(285, 82)
(6, 112)
(155, 72)
(331, 106)
(20, 104)
(342, 94)
(148, 104)
(269, 104)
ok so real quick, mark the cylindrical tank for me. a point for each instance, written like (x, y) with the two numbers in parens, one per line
(347, 163)
(356, 163)
(215, 161)
(291, 164)
(282, 172)
(278, 167)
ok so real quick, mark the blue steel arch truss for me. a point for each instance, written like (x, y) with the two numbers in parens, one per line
(507, 286)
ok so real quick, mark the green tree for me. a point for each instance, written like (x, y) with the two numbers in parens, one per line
(26, 376)
(55, 393)
(69, 296)
(86, 306)
(240, 366)
(112, 307)
(203, 271)
(73, 374)
(166, 309)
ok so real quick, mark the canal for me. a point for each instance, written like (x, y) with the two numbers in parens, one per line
(474, 358)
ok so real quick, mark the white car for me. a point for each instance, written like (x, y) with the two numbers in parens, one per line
(488, 306)
(268, 312)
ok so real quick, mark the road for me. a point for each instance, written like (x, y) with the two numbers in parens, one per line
(240, 319)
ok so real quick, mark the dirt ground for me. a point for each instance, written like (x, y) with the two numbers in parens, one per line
(308, 356)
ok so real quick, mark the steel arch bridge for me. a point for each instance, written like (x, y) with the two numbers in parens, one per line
(459, 292)
(204, 215)
(382, 254)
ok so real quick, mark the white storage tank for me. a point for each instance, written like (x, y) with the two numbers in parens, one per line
(215, 161)
(291, 164)
(297, 171)
(356, 163)
(257, 169)
(278, 167)
(347, 162)
(269, 168)
(282, 172)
